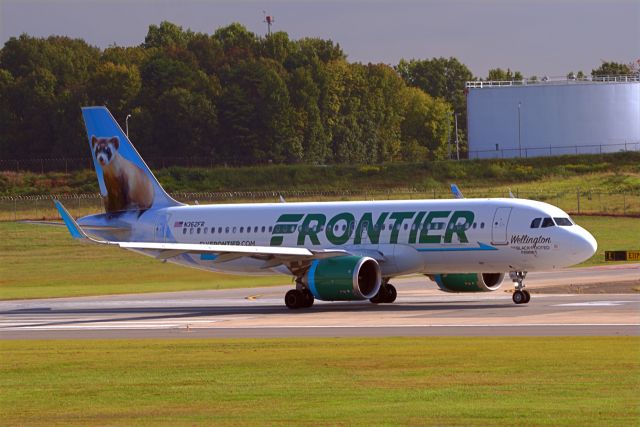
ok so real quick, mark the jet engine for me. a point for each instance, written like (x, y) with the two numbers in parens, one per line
(344, 278)
(469, 282)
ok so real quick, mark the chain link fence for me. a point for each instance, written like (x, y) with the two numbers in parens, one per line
(550, 150)
(155, 163)
(15, 208)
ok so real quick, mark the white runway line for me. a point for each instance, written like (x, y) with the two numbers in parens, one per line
(594, 304)
(142, 326)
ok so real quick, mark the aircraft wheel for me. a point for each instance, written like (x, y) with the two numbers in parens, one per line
(518, 297)
(294, 299)
(527, 296)
(308, 299)
(379, 297)
(391, 294)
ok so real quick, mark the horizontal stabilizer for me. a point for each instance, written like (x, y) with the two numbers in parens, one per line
(72, 225)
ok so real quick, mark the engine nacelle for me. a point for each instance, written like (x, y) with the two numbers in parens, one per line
(344, 278)
(469, 282)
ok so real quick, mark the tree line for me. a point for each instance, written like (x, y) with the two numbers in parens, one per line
(231, 96)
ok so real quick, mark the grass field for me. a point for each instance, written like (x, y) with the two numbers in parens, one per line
(384, 381)
(38, 261)
(619, 172)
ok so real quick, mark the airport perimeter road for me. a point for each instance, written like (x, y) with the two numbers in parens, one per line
(420, 310)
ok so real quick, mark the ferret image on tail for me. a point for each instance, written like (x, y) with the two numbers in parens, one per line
(128, 187)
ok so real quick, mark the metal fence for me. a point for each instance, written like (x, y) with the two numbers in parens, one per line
(551, 150)
(82, 163)
(155, 163)
(575, 202)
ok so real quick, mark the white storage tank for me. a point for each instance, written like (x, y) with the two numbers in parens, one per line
(515, 119)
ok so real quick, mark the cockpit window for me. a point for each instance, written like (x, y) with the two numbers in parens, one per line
(563, 222)
(547, 222)
(536, 223)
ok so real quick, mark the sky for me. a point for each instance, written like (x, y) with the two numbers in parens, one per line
(542, 37)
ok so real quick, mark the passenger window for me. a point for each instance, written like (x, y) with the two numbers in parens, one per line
(213, 230)
(242, 229)
(536, 223)
(206, 230)
(198, 230)
(184, 231)
(263, 228)
(226, 230)
(563, 222)
(270, 229)
(234, 229)
(547, 222)
(406, 226)
(219, 230)
(255, 229)
(474, 225)
(482, 225)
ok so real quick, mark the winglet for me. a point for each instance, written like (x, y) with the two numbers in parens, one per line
(72, 225)
(456, 192)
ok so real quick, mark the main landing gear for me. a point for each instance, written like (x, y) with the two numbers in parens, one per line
(386, 295)
(299, 298)
(520, 295)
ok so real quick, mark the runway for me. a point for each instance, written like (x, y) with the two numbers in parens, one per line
(420, 310)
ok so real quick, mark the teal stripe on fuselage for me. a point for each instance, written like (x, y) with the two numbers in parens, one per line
(480, 247)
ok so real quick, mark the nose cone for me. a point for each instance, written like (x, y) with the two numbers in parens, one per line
(584, 245)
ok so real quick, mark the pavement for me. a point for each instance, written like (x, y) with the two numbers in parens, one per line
(420, 310)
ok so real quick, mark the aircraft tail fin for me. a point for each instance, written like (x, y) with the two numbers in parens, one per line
(126, 182)
(456, 192)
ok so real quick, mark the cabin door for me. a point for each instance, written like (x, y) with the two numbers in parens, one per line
(499, 226)
(161, 228)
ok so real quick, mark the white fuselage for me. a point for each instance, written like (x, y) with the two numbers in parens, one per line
(416, 236)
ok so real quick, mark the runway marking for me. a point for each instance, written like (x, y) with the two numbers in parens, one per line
(594, 304)
(184, 325)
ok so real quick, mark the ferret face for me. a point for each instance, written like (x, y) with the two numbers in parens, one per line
(104, 149)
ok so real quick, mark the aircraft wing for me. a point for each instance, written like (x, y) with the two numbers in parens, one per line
(273, 255)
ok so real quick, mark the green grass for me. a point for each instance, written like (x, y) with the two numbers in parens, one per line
(38, 261)
(586, 381)
(612, 234)
(612, 172)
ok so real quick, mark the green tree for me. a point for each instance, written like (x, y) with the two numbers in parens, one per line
(426, 127)
(166, 35)
(237, 42)
(611, 69)
(498, 74)
(115, 85)
(441, 78)
(256, 113)
(49, 78)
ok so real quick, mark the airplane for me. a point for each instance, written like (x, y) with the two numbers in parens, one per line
(336, 251)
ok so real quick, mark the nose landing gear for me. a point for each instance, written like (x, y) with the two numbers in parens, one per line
(520, 295)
